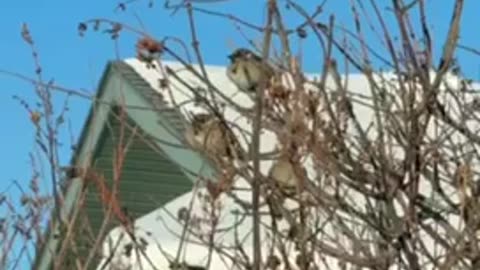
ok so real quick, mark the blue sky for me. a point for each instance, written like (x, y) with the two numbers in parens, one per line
(78, 62)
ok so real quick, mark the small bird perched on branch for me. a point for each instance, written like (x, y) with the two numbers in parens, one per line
(285, 175)
(288, 178)
(207, 133)
(246, 70)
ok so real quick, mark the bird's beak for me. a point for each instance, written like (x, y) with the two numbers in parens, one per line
(230, 56)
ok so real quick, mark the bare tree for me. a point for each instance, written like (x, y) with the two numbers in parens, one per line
(375, 170)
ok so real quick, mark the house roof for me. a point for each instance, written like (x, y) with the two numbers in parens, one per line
(151, 172)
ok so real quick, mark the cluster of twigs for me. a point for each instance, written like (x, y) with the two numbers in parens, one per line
(23, 218)
(387, 162)
(390, 169)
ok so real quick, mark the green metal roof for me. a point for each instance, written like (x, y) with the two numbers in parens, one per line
(148, 179)
(151, 174)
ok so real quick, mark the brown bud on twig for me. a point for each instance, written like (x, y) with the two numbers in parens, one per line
(115, 30)
(214, 189)
(82, 27)
(96, 25)
(122, 6)
(182, 214)
(26, 34)
(301, 32)
(273, 262)
(148, 50)
(35, 117)
(163, 83)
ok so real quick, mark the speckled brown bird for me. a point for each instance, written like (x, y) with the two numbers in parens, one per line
(284, 174)
(246, 70)
(207, 133)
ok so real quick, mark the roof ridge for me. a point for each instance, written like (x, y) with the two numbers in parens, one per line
(156, 99)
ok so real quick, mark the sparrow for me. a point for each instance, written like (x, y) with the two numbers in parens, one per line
(246, 70)
(285, 176)
(207, 133)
